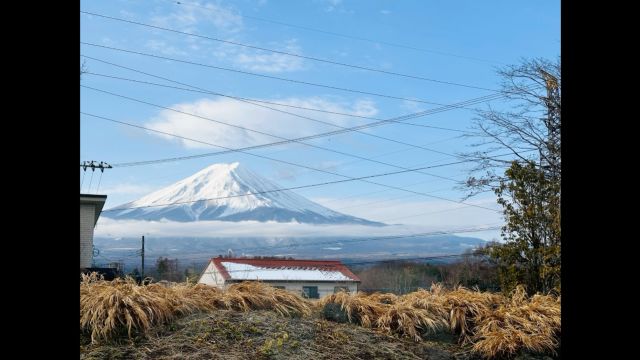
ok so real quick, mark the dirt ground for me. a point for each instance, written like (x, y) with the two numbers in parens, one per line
(226, 334)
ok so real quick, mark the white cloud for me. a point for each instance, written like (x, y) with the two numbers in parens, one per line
(108, 41)
(283, 173)
(228, 26)
(332, 5)
(430, 213)
(249, 116)
(385, 12)
(164, 48)
(329, 165)
(412, 106)
(127, 14)
(223, 18)
(335, 5)
(128, 189)
(271, 62)
(274, 63)
(403, 217)
(127, 228)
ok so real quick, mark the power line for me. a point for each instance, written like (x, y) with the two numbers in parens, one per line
(278, 110)
(434, 257)
(99, 181)
(293, 114)
(379, 191)
(287, 247)
(376, 156)
(258, 75)
(332, 133)
(271, 102)
(276, 136)
(460, 105)
(382, 201)
(359, 67)
(424, 213)
(373, 192)
(348, 178)
(90, 181)
(348, 36)
(205, 91)
(106, 258)
(355, 240)
(385, 220)
(93, 165)
(386, 200)
(285, 139)
(319, 267)
(428, 174)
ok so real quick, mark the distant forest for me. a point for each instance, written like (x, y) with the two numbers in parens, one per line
(404, 277)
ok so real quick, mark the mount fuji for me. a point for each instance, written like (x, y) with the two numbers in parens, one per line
(229, 192)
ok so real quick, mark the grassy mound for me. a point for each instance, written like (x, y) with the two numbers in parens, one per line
(494, 325)
(110, 308)
(488, 325)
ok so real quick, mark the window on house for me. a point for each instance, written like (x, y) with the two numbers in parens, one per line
(310, 292)
(340, 288)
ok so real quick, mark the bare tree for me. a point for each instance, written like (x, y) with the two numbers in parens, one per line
(529, 131)
(527, 184)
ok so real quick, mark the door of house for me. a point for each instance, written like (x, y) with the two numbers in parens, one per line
(310, 292)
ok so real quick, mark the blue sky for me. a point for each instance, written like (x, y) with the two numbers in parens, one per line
(461, 42)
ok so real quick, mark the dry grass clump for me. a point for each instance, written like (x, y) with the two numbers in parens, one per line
(532, 324)
(360, 308)
(407, 320)
(493, 324)
(387, 298)
(198, 297)
(415, 313)
(108, 307)
(247, 296)
(465, 306)
(432, 301)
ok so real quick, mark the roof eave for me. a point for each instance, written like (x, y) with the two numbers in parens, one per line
(96, 200)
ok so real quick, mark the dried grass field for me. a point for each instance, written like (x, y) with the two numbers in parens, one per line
(120, 319)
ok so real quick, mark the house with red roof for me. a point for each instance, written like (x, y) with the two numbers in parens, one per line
(310, 278)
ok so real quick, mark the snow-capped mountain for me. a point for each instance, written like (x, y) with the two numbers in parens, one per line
(235, 194)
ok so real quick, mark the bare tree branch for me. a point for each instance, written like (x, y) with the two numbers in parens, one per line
(531, 132)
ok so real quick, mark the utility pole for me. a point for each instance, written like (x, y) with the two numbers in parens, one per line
(93, 165)
(142, 253)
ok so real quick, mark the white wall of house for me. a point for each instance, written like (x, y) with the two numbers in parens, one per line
(324, 288)
(212, 277)
(87, 222)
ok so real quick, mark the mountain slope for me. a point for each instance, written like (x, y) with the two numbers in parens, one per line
(234, 193)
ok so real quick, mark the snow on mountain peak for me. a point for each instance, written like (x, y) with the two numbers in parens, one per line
(229, 192)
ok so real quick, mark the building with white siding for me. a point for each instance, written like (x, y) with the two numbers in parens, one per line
(309, 278)
(90, 209)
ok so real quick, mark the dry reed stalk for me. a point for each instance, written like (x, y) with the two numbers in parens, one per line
(360, 308)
